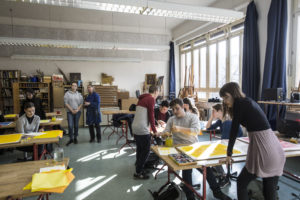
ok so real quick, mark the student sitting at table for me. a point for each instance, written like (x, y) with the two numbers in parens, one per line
(185, 127)
(188, 107)
(162, 114)
(224, 125)
(28, 123)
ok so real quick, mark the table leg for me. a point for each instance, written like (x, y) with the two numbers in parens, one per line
(204, 183)
(126, 138)
(35, 152)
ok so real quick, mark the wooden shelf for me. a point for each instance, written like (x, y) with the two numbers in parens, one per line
(7, 78)
(20, 88)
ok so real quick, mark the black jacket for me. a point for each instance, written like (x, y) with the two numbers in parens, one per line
(39, 111)
(156, 112)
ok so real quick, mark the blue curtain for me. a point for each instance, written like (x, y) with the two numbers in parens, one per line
(251, 62)
(275, 61)
(172, 80)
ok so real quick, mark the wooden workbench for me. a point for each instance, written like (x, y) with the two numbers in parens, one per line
(14, 177)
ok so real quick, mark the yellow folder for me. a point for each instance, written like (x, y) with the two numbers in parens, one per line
(53, 181)
(10, 116)
(10, 138)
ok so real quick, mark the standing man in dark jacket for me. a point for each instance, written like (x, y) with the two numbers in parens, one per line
(30, 97)
(144, 116)
(93, 115)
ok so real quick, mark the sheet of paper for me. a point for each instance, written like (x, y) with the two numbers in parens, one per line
(53, 168)
(34, 134)
(164, 151)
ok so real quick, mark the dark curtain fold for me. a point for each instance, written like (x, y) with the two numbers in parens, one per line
(172, 80)
(251, 61)
(275, 61)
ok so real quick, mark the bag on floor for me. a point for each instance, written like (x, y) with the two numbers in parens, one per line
(152, 161)
(255, 190)
(169, 192)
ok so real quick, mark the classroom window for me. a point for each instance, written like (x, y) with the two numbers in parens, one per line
(212, 65)
(235, 59)
(196, 67)
(182, 64)
(221, 63)
(216, 59)
(297, 78)
(203, 67)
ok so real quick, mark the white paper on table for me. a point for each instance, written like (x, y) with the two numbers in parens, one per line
(59, 119)
(34, 134)
(164, 151)
(57, 167)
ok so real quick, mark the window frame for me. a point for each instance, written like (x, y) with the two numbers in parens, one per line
(228, 34)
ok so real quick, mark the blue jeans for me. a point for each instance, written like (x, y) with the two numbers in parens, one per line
(73, 121)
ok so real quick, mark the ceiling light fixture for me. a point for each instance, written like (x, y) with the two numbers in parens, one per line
(152, 8)
(74, 58)
(70, 44)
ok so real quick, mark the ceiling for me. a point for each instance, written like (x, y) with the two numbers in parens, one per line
(38, 14)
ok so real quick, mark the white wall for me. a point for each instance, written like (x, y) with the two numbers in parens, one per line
(127, 75)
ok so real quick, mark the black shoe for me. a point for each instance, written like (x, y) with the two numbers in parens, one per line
(141, 175)
(75, 141)
(70, 141)
(223, 181)
(99, 140)
(218, 194)
(92, 140)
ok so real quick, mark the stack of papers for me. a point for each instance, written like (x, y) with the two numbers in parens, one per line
(32, 134)
(164, 151)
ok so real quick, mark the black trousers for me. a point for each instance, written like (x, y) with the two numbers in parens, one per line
(269, 185)
(92, 131)
(210, 177)
(143, 143)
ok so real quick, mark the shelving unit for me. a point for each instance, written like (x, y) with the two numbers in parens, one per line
(7, 78)
(108, 95)
(42, 91)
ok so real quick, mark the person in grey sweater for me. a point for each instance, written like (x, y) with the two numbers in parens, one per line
(185, 127)
(73, 101)
(28, 123)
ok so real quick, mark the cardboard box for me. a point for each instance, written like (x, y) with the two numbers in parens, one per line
(126, 103)
(123, 95)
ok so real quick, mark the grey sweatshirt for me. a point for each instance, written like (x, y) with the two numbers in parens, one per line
(23, 125)
(189, 120)
(73, 99)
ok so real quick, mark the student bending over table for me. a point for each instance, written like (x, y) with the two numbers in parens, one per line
(265, 157)
(28, 123)
(188, 107)
(185, 127)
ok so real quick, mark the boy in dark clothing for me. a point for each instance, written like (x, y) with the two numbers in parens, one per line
(162, 114)
(143, 116)
(39, 111)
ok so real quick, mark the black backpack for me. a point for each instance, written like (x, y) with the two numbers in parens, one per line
(152, 161)
(171, 193)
